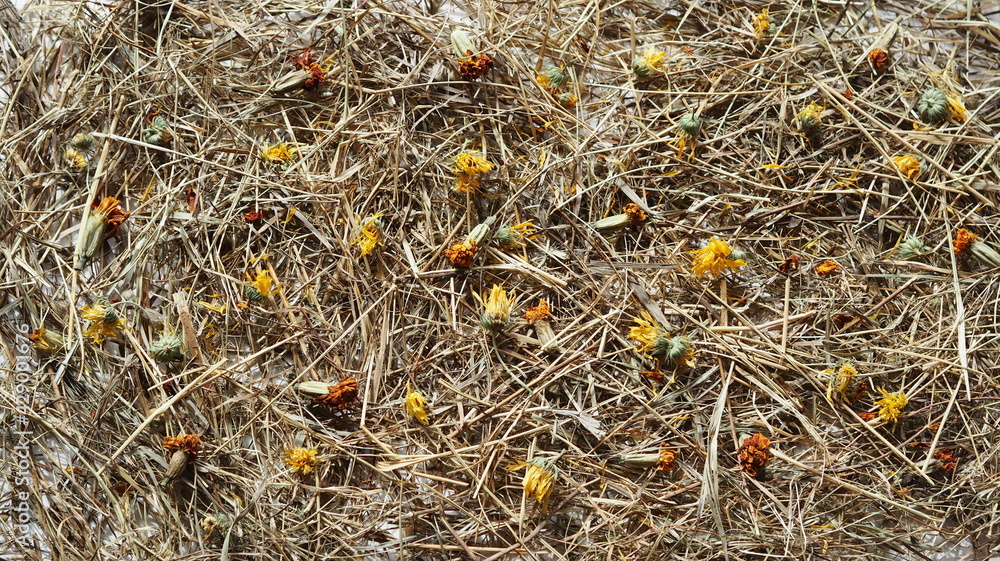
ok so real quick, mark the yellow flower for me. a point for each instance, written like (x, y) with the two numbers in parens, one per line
(908, 165)
(76, 161)
(809, 118)
(957, 109)
(104, 321)
(279, 153)
(371, 234)
(302, 460)
(510, 236)
(714, 258)
(762, 24)
(840, 379)
(46, 340)
(648, 334)
(497, 305)
(469, 169)
(539, 480)
(891, 404)
(260, 288)
(648, 62)
(415, 403)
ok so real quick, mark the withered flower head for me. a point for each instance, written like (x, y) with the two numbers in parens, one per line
(470, 167)
(809, 118)
(891, 405)
(654, 376)
(839, 380)
(947, 458)
(307, 61)
(789, 265)
(473, 67)
(415, 406)
(540, 312)
(666, 459)
(497, 305)
(158, 132)
(46, 340)
(762, 24)
(714, 258)
(636, 216)
(104, 320)
(215, 524)
(104, 219)
(258, 289)
(878, 58)
(190, 443)
(908, 165)
(552, 78)
(539, 480)
(302, 460)
(254, 215)
(462, 254)
(371, 234)
(650, 61)
(82, 141)
(826, 267)
(279, 153)
(754, 455)
(963, 240)
(339, 396)
(75, 161)
(511, 236)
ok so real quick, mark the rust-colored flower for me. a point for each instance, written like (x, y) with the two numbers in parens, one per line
(867, 415)
(474, 66)
(462, 254)
(337, 396)
(654, 376)
(789, 265)
(666, 460)
(963, 240)
(878, 58)
(184, 451)
(535, 313)
(254, 215)
(636, 216)
(190, 443)
(754, 455)
(306, 60)
(948, 460)
(826, 267)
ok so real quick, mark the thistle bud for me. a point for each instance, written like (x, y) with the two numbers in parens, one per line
(933, 105)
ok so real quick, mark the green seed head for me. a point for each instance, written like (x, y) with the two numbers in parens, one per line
(912, 247)
(933, 105)
(689, 124)
(167, 347)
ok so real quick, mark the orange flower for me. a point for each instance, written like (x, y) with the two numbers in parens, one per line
(826, 267)
(654, 376)
(462, 254)
(636, 216)
(667, 457)
(340, 396)
(754, 454)
(878, 58)
(474, 66)
(963, 240)
(187, 442)
(948, 459)
(307, 61)
(789, 265)
(539, 312)
(254, 215)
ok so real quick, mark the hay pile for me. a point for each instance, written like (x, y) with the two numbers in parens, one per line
(834, 320)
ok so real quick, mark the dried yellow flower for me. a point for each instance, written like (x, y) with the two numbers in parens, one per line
(497, 306)
(371, 234)
(469, 170)
(891, 404)
(908, 165)
(75, 161)
(257, 289)
(762, 24)
(650, 61)
(415, 406)
(714, 258)
(839, 380)
(46, 340)
(104, 321)
(279, 153)
(302, 460)
(510, 236)
(539, 479)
